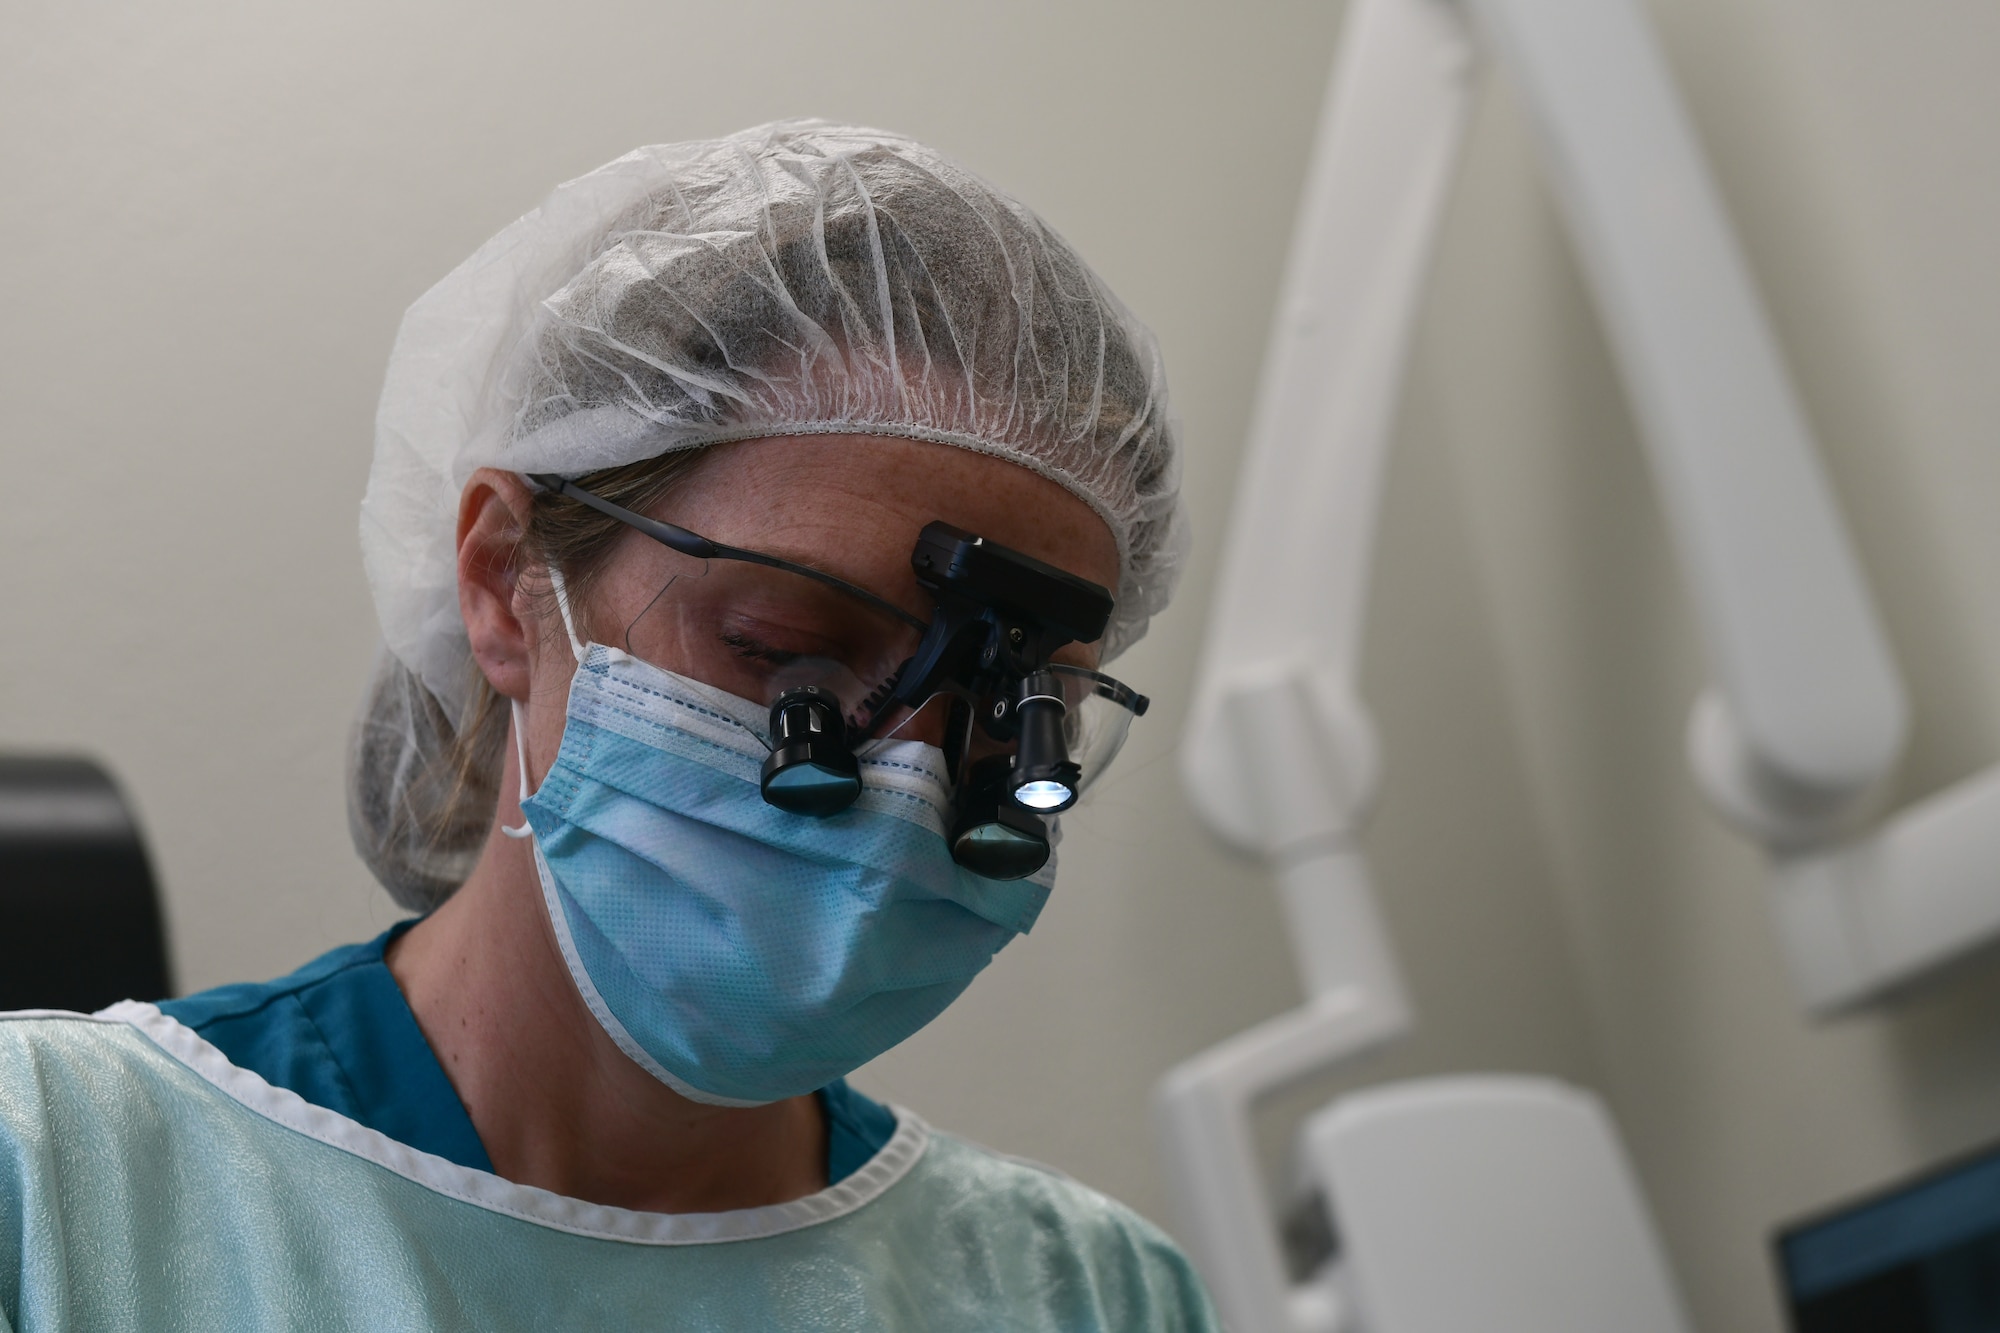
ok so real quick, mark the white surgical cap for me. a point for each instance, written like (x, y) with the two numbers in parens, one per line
(798, 278)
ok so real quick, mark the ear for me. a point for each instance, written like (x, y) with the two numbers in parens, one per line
(492, 517)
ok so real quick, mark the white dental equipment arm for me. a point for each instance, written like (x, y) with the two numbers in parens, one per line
(1279, 756)
(1806, 718)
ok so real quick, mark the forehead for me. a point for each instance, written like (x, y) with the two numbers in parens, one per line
(854, 504)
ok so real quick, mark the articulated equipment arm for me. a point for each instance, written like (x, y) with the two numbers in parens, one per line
(1806, 718)
(1279, 755)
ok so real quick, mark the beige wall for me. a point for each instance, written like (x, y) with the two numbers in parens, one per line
(213, 214)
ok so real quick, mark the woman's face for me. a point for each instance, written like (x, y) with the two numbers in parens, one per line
(851, 506)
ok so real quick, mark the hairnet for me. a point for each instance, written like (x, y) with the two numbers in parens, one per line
(798, 278)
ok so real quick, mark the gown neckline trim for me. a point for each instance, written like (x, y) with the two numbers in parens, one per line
(483, 1189)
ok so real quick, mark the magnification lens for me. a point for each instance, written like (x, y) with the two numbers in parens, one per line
(990, 835)
(810, 770)
(758, 632)
(812, 789)
(998, 852)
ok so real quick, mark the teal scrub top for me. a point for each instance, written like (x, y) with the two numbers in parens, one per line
(339, 1033)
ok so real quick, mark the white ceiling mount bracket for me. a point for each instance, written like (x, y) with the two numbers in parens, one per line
(1876, 915)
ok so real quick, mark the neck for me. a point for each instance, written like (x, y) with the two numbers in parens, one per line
(556, 1103)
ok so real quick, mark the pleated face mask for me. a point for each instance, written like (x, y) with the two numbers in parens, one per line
(739, 953)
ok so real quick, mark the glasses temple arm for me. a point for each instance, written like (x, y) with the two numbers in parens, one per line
(701, 548)
(1109, 686)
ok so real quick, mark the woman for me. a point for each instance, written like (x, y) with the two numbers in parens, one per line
(711, 783)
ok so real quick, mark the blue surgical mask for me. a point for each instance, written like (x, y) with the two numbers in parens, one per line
(741, 954)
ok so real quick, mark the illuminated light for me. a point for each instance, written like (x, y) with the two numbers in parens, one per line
(1043, 795)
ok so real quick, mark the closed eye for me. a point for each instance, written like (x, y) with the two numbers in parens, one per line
(746, 647)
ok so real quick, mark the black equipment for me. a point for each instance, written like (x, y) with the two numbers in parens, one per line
(810, 770)
(79, 914)
(1920, 1257)
(1000, 616)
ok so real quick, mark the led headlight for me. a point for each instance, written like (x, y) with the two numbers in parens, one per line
(1044, 778)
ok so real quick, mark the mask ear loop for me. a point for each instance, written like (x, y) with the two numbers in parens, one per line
(519, 715)
(576, 645)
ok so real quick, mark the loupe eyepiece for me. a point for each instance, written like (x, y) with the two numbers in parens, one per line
(990, 834)
(1044, 778)
(810, 770)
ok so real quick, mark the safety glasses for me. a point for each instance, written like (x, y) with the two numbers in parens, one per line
(842, 669)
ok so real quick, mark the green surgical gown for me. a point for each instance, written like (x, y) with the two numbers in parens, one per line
(146, 1183)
